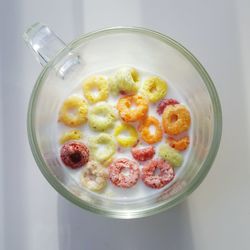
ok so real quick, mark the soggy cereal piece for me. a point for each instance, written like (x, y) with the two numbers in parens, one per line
(99, 153)
(151, 179)
(154, 88)
(171, 155)
(73, 112)
(147, 135)
(125, 80)
(70, 136)
(74, 154)
(127, 140)
(98, 83)
(101, 116)
(132, 108)
(164, 103)
(180, 144)
(176, 119)
(94, 176)
(122, 178)
(144, 153)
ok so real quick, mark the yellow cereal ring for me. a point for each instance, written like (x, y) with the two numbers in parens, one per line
(176, 119)
(125, 81)
(154, 88)
(126, 112)
(126, 141)
(73, 112)
(144, 129)
(98, 153)
(101, 116)
(94, 176)
(70, 135)
(92, 83)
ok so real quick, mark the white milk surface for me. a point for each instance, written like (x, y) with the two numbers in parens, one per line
(140, 190)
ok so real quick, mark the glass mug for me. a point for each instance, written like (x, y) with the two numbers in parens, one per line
(66, 65)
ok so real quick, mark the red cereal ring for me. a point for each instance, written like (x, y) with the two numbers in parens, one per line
(143, 154)
(74, 154)
(164, 103)
(120, 179)
(160, 180)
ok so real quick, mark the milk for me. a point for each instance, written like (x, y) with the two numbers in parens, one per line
(140, 190)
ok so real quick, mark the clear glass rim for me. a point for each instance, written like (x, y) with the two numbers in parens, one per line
(154, 208)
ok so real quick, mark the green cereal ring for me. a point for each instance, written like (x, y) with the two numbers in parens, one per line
(125, 80)
(154, 88)
(99, 153)
(95, 82)
(126, 141)
(70, 135)
(101, 116)
(171, 155)
(78, 116)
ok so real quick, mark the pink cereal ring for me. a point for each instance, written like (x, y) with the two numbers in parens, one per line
(74, 154)
(120, 179)
(164, 103)
(160, 180)
(143, 154)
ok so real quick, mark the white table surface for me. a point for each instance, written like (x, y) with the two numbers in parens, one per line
(216, 216)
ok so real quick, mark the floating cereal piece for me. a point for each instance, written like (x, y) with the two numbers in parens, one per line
(171, 155)
(164, 103)
(124, 81)
(154, 88)
(73, 112)
(176, 119)
(157, 180)
(143, 154)
(94, 176)
(180, 144)
(74, 154)
(146, 134)
(98, 83)
(129, 114)
(101, 116)
(126, 141)
(119, 178)
(70, 135)
(104, 153)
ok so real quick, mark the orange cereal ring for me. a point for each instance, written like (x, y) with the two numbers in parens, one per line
(180, 144)
(146, 134)
(129, 114)
(176, 119)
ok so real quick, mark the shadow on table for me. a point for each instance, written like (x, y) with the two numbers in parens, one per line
(79, 229)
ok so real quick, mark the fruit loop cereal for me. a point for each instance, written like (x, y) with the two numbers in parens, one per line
(74, 154)
(70, 136)
(121, 179)
(143, 154)
(153, 180)
(180, 144)
(164, 103)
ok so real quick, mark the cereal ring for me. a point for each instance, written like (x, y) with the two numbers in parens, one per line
(164, 103)
(77, 104)
(70, 135)
(102, 153)
(176, 119)
(143, 154)
(171, 155)
(127, 113)
(154, 88)
(94, 176)
(160, 180)
(146, 134)
(180, 144)
(126, 141)
(124, 81)
(92, 83)
(120, 179)
(101, 116)
(74, 154)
